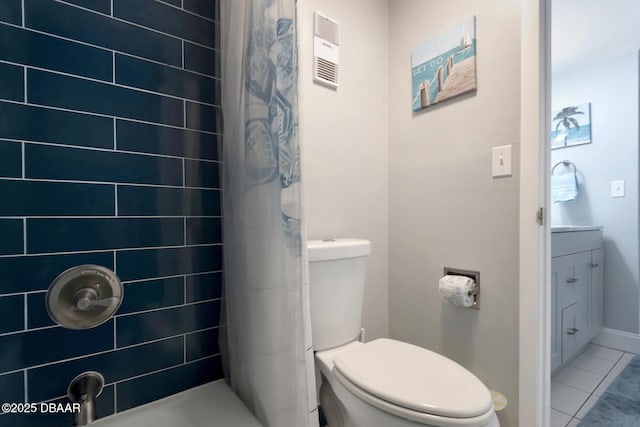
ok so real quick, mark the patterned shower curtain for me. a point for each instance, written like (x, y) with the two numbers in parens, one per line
(269, 358)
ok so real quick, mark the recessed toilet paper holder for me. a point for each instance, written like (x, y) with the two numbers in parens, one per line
(475, 275)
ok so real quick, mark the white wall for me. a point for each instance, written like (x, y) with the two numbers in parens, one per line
(582, 30)
(445, 209)
(344, 136)
(612, 88)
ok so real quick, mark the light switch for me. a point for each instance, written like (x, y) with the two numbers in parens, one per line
(617, 188)
(501, 161)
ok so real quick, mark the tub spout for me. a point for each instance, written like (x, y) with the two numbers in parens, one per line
(87, 413)
(84, 389)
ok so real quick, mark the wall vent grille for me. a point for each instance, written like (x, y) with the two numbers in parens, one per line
(327, 70)
(326, 43)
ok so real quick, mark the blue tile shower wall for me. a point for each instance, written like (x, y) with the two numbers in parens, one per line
(109, 141)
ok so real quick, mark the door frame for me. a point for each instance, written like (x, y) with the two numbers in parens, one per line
(534, 249)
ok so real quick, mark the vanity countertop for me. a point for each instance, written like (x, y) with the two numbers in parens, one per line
(570, 228)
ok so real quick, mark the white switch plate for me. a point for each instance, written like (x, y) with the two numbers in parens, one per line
(617, 188)
(501, 161)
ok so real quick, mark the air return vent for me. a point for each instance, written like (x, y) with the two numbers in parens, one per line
(326, 42)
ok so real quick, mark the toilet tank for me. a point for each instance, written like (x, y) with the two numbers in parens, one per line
(336, 274)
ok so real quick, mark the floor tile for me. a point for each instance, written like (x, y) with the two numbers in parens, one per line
(587, 406)
(603, 352)
(573, 423)
(593, 364)
(576, 388)
(579, 378)
(558, 419)
(611, 376)
(626, 358)
(566, 399)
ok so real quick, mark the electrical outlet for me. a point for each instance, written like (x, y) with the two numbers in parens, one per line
(617, 188)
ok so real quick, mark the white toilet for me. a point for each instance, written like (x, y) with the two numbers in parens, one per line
(383, 383)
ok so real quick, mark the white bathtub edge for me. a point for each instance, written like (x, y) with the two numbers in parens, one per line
(210, 405)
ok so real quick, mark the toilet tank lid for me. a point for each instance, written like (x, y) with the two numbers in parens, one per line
(329, 249)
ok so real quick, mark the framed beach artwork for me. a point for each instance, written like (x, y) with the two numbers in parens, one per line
(444, 66)
(571, 126)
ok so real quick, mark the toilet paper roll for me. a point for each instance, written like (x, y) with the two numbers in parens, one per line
(457, 290)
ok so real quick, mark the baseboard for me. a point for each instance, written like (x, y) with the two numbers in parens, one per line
(619, 340)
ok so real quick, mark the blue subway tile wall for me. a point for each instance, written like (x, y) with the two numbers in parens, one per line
(166, 201)
(103, 6)
(201, 287)
(11, 82)
(159, 78)
(139, 327)
(146, 263)
(42, 198)
(11, 313)
(54, 53)
(73, 164)
(151, 294)
(35, 273)
(202, 8)
(55, 126)
(37, 316)
(10, 159)
(109, 155)
(148, 388)
(201, 174)
(154, 139)
(201, 343)
(11, 11)
(85, 234)
(12, 240)
(166, 19)
(79, 94)
(12, 387)
(201, 231)
(37, 347)
(201, 59)
(96, 29)
(115, 366)
(203, 117)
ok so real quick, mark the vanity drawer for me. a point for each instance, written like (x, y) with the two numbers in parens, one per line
(573, 278)
(572, 242)
(574, 330)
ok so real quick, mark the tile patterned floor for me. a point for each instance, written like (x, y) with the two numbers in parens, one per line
(577, 387)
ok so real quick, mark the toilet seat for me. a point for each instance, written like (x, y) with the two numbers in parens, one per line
(414, 383)
(418, 417)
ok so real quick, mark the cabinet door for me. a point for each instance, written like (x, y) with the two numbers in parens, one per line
(574, 330)
(556, 325)
(597, 291)
(574, 279)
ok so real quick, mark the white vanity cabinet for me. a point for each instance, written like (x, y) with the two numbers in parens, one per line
(576, 290)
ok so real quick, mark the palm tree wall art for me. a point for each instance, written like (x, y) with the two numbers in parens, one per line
(571, 126)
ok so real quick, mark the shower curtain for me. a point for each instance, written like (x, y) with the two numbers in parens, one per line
(269, 359)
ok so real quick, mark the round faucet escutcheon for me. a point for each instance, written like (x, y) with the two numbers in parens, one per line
(84, 297)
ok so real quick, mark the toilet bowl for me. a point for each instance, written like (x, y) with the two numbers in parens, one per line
(382, 383)
(388, 383)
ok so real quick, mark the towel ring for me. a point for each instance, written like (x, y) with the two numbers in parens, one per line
(566, 163)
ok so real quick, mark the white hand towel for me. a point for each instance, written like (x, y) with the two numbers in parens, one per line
(564, 188)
